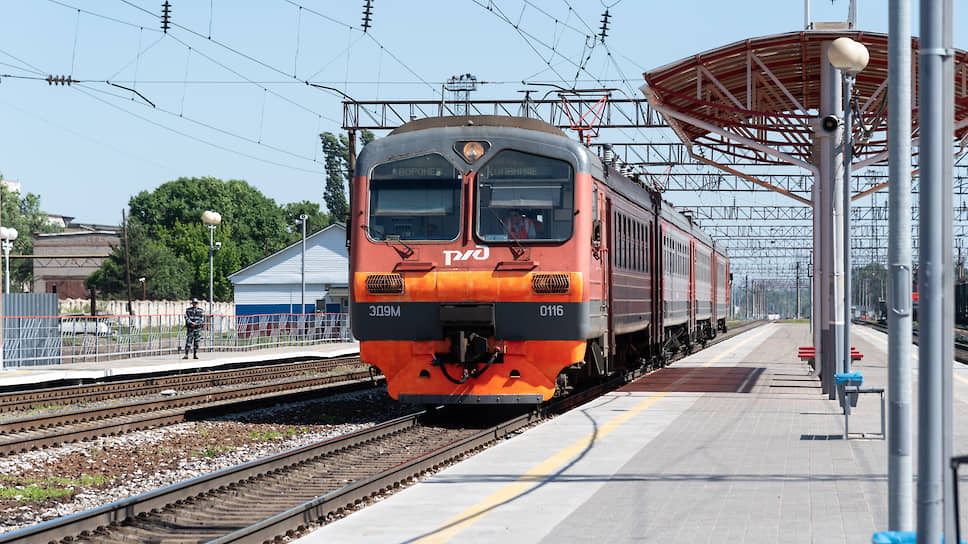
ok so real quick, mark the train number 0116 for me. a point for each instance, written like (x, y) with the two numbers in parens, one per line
(551, 310)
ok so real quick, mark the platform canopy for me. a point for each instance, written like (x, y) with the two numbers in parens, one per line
(758, 99)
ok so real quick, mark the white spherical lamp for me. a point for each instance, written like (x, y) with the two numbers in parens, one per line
(848, 55)
(211, 218)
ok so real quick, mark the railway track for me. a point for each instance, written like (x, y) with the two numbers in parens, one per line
(29, 433)
(961, 348)
(257, 501)
(81, 394)
(280, 495)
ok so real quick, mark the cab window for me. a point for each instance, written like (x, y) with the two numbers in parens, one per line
(525, 197)
(417, 198)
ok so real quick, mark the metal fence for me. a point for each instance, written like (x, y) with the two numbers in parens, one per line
(77, 339)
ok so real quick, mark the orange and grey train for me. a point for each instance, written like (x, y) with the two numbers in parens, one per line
(494, 260)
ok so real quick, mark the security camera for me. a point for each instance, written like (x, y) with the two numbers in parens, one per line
(218, 245)
(830, 123)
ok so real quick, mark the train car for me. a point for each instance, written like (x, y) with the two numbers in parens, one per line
(678, 287)
(494, 260)
(702, 250)
(721, 280)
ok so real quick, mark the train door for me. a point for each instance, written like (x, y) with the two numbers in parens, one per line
(692, 291)
(658, 271)
(609, 348)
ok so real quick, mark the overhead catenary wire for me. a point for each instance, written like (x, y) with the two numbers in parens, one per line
(77, 28)
(99, 15)
(406, 67)
(211, 127)
(236, 52)
(31, 67)
(81, 87)
(195, 138)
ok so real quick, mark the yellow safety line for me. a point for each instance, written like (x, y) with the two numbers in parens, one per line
(717, 358)
(537, 474)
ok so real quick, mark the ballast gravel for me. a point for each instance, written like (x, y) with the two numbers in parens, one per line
(108, 469)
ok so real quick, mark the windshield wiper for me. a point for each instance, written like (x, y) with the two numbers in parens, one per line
(404, 253)
(518, 251)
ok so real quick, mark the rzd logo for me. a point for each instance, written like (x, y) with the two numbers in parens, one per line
(478, 254)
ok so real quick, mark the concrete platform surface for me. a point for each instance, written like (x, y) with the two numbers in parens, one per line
(39, 375)
(732, 444)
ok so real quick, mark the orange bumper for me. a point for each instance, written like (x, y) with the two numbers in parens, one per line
(526, 368)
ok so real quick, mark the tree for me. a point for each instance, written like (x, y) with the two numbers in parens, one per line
(173, 243)
(22, 212)
(315, 219)
(165, 273)
(337, 158)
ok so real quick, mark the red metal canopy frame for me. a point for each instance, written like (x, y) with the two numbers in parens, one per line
(759, 99)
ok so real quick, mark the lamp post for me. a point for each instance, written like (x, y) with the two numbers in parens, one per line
(850, 57)
(7, 236)
(302, 294)
(143, 288)
(212, 219)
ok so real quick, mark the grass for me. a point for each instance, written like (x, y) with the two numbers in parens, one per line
(44, 489)
(212, 451)
(271, 435)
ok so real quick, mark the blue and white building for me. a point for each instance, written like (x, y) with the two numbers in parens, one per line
(272, 285)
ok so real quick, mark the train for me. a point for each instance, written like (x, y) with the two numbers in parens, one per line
(494, 260)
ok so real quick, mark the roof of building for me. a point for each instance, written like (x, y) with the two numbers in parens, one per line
(68, 233)
(326, 261)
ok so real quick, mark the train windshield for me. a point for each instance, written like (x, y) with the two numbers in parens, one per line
(526, 197)
(415, 199)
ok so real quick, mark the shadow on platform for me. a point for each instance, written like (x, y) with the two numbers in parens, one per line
(699, 380)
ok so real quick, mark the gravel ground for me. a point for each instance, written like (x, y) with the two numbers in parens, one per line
(94, 473)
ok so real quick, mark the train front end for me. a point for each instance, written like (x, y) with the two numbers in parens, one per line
(468, 272)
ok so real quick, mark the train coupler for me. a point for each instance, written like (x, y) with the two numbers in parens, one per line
(468, 350)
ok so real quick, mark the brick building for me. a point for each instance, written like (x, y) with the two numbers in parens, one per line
(63, 260)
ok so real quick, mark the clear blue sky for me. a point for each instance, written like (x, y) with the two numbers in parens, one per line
(88, 148)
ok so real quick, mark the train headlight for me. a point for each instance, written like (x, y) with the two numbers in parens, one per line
(384, 284)
(550, 284)
(471, 151)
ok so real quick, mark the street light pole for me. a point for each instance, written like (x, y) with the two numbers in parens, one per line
(212, 219)
(302, 299)
(850, 57)
(7, 235)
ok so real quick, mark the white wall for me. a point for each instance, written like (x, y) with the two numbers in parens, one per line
(142, 307)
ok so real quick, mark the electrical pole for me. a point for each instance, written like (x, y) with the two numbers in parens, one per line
(127, 260)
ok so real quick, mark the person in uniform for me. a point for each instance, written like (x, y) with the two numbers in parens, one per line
(519, 226)
(193, 322)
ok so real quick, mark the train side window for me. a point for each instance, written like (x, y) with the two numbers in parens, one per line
(595, 203)
(525, 197)
(417, 198)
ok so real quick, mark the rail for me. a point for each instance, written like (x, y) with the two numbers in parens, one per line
(51, 340)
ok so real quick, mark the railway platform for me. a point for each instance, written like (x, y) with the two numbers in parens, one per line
(735, 443)
(139, 366)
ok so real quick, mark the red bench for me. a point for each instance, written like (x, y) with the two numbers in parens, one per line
(809, 353)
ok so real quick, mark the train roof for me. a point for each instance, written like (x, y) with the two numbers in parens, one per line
(526, 123)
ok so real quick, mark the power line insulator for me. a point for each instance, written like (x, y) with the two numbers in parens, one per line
(604, 32)
(60, 80)
(165, 16)
(367, 15)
